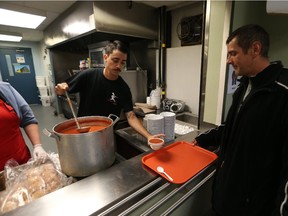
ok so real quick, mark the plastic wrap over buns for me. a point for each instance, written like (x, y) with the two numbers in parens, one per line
(32, 182)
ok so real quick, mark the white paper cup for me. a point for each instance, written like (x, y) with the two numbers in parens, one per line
(145, 120)
(169, 125)
(155, 124)
(156, 143)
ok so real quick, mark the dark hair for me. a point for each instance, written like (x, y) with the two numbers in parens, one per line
(248, 34)
(115, 45)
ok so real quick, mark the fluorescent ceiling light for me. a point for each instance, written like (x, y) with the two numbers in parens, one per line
(19, 19)
(8, 37)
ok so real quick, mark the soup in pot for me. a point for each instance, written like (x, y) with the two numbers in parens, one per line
(93, 128)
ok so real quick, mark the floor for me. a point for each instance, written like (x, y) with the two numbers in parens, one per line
(47, 120)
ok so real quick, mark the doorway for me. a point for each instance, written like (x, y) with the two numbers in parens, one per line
(17, 68)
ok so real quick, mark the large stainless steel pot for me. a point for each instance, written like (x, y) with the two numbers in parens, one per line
(86, 153)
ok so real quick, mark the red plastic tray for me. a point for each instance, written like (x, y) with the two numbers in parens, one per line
(181, 160)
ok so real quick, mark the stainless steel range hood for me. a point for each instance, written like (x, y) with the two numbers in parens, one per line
(127, 18)
(117, 17)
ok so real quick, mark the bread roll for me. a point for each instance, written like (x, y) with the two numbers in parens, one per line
(31, 184)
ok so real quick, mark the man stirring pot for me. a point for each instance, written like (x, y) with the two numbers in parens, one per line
(103, 91)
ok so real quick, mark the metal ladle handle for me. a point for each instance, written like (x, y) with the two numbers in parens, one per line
(71, 107)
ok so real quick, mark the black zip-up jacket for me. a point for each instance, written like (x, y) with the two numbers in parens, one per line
(253, 154)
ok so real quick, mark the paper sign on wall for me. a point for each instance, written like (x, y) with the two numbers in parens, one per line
(20, 58)
(21, 68)
(232, 81)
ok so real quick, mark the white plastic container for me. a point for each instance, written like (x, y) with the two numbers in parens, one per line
(43, 91)
(155, 100)
(45, 100)
(40, 80)
(155, 97)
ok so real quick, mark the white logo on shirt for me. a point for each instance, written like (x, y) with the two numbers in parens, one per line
(112, 98)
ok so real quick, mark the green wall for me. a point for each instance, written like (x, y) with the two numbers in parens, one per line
(246, 12)
(254, 12)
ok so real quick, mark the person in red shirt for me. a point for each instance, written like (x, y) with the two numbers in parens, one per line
(14, 114)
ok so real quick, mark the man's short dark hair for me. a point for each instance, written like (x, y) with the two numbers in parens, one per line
(116, 45)
(247, 35)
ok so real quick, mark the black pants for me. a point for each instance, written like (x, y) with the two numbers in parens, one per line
(211, 212)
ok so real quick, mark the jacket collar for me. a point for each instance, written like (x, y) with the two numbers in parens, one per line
(265, 77)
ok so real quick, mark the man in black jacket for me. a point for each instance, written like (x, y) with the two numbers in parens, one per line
(253, 141)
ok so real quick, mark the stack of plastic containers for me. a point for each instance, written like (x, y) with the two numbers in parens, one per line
(43, 90)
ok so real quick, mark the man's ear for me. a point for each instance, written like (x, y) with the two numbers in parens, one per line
(256, 48)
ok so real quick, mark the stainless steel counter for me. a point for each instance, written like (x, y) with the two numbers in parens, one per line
(124, 189)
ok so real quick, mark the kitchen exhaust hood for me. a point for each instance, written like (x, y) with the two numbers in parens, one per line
(117, 17)
(127, 18)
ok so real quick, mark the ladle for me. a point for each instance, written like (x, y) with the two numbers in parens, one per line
(79, 129)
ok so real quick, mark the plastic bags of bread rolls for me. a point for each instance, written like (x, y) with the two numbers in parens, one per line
(28, 182)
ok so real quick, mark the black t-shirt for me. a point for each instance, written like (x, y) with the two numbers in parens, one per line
(100, 96)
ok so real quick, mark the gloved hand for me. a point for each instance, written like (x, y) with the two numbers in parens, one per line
(39, 154)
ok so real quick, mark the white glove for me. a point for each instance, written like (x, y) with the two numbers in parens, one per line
(39, 154)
